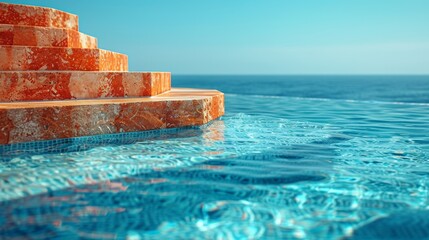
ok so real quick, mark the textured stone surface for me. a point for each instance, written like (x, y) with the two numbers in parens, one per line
(55, 83)
(44, 37)
(43, 120)
(19, 58)
(36, 16)
(61, 85)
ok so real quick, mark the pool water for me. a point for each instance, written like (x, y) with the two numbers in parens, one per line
(301, 157)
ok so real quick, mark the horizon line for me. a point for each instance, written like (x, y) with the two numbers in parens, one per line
(300, 74)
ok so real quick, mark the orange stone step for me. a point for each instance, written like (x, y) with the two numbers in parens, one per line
(36, 16)
(44, 36)
(63, 85)
(44, 120)
(19, 58)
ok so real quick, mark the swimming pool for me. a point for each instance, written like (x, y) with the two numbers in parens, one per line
(314, 157)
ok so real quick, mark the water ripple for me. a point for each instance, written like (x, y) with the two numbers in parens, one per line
(33, 174)
(296, 168)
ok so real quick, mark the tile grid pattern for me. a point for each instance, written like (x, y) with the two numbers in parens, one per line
(86, 142)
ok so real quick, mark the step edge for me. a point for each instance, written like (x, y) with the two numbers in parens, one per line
(34, 6)
(110, 101)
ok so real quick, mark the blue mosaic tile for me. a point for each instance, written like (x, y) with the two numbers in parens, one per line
(88, 142)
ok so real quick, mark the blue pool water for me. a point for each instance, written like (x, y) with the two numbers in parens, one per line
(301, 157)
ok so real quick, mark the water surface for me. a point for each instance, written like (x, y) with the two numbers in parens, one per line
(313, 157)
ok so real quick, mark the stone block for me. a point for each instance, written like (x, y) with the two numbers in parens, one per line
(36, 16)
(44, 37)
(20, 58)
(66, 85)
(45, 120)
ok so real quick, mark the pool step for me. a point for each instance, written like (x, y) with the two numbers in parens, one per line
(45, 120)
(55, 83)
(44, 37)
(20, 58)
(36, 16)
(63, 85)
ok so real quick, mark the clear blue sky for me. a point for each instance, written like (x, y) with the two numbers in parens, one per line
(260, 37)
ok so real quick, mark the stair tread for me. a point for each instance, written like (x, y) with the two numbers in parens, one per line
(44, 36)
(173, 94)
(45, 120)
(22, 58)
(18, 14)
(62, 85)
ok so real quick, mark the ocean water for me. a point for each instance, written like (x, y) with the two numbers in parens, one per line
(295, 157)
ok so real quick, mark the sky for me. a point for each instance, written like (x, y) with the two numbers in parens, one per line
(259, 37)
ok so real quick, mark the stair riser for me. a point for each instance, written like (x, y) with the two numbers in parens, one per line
(44, 37)
(44, 123)
(33, 86)
(36, 16)
(18, 58)
(55, 83)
